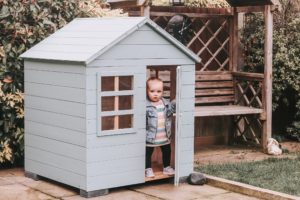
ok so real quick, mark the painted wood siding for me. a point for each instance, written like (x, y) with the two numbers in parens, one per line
(118, 159)
(55, 121)
(187, 120)
(143, 47)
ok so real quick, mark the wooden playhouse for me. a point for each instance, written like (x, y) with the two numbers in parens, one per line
(85, 91)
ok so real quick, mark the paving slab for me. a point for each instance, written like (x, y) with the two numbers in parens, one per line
(183, 192)
(21, 192)
(15, 186)
(51, 188)
(118, 194)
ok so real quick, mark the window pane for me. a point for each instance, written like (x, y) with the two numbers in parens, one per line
(125, 102)
(125, 83)
(125, 121)
(107, 123)
(108, 103)
(107, 83)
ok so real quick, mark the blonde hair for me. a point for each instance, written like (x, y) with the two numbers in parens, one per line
(153, 79)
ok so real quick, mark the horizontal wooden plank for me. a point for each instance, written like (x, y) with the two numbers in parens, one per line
(212, 72)
(55, 92)
(59, 161)
(248, 76)
(213, 92)
(205, 111)
(113, 166)
(56, 119)
(214, 99)
(213, 77)
(55, 78)
(140, 62)
(192, 15)
(148, 51)
(57, 174)
(56, 133)
(55, 146)
(94, 141)
(112, 152)
(214, 84)
(145, 37)
(182, 9)
(115, 180)
(54, 67)
(55, 105)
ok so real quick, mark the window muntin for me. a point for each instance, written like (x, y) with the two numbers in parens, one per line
(115, 103)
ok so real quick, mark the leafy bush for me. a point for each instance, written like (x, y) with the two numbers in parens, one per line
(207, 3)
(11, 123)
(23, 24)
(286, 63)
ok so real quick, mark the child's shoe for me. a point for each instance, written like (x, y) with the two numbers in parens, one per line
(168, 171)
(149, 173)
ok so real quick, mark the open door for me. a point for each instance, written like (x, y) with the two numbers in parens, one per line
(177, 125)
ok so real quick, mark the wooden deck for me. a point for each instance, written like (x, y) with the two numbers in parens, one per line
(158, 176)
(206, 111)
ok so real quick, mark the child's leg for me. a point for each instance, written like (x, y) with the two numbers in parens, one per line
(149, 151)
(166, 154)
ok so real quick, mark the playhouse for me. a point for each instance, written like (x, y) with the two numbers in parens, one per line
(85, 91)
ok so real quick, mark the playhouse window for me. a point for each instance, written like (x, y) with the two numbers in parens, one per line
(115, 103)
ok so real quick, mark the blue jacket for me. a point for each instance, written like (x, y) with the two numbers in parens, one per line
(151, 119)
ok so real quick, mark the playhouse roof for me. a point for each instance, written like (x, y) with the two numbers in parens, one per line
(235, 3)
(84, 39)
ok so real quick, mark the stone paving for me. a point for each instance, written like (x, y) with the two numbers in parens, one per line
(14, 186)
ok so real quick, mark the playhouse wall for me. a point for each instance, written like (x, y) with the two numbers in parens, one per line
(55, 121)
(143, 48)
(119, 159)
(186, 138)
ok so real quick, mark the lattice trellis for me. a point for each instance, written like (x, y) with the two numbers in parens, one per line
(249, 93)
(249, 127)
(210, 41)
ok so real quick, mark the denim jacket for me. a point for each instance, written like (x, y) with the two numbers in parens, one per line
(151, 119)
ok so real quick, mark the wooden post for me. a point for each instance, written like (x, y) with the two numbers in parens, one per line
(145, 9)
(234, 47)
(267, 105)
(234, 41)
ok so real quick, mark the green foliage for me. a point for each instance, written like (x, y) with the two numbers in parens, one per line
(207, 3)
(286, 62)
(277, 174)
(11, 123)
(195, 3)
(22, 25)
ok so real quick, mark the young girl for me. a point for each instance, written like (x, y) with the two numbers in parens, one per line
(159, 113)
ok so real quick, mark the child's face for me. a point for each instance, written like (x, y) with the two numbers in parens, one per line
(155, 90)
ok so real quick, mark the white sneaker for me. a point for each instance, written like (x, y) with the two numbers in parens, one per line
(169, 171)
(149, 173)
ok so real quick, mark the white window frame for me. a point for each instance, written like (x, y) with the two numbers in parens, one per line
(101, 113)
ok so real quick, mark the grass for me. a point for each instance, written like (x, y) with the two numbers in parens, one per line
(277, 174)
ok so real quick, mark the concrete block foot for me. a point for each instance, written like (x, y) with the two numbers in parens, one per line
(32, 176)
(94, 193)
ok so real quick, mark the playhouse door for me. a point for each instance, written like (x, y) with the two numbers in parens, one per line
(178, 125)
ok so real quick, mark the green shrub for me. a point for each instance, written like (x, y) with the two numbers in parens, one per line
(23, 24)
(286, 63)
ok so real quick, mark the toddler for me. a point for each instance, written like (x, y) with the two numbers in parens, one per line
(159, 113)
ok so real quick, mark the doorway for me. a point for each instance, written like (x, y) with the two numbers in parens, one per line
(168, 75)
